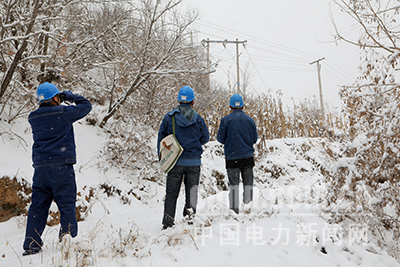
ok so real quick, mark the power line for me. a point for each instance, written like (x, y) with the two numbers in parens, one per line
(227, 75)
(339, 70)
(341, 76)
(334, 76)
(279, 61)
(302, 15)
(269, 17)
(283, 69)
(258, 40)
(256, 10)
(225, 42)
(262, 80)
(275, 53)
(284, 59)
(239, 70)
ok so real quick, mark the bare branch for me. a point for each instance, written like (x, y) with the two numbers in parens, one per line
(18, 55)
(381, 23)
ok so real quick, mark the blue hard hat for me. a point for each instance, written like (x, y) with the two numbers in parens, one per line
(46, 91)
(186, 95)
(236, 101)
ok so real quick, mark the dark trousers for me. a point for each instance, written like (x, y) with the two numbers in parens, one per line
(51, 183)
(247, 177)
(190, 176)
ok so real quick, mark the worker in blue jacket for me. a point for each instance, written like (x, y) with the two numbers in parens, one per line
(238, 132)
(191, 132)
(53, 155)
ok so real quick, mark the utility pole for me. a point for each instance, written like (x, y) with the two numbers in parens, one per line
(237, 66)
(321, 99)
(208, 63)
(224, 42)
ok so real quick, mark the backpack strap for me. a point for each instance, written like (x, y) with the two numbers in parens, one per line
(173, 125)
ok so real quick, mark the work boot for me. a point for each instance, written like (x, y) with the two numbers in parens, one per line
(31, 251)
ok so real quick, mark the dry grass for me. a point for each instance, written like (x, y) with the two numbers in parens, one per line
(365, 184)
(273, 121)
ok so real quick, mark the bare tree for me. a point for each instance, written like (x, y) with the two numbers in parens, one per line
(18, 45)
(160, 47)
(378, 23)
(25, 31)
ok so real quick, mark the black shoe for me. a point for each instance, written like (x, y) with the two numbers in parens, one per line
(31, 251)
(166, 226)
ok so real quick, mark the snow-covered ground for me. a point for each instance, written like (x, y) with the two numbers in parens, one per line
(283, 226)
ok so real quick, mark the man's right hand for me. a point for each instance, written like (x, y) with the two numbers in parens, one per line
(68, 95)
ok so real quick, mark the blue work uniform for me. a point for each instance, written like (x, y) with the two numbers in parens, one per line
(53, 155)
(191, 132)
(238, 132)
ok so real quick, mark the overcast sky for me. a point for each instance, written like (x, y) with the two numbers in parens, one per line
(283, 38)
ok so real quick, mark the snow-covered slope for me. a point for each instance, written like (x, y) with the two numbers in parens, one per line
(283, 226)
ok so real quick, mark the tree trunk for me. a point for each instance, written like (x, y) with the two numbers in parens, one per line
(21, 50)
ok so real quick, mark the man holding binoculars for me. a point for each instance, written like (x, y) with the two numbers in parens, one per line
(53, 155)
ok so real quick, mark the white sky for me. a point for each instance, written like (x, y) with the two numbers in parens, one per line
(283, 37)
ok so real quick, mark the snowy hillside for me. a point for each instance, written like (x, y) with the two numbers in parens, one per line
(283, 226)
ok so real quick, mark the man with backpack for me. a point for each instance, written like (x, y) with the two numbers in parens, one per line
(191, 132)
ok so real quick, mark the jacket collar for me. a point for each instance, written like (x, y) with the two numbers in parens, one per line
(42, 105)
(237, 110)
(185, 105)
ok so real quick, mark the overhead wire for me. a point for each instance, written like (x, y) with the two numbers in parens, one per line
(252, 12)
(333, 77)
(240, 71)
(272, 63)
(281, 61)
(284, 64)
(290, 60)
(259, 75)
(257, 39)
(218, 61)
(292, 57)
(283, 69)
(269, 43)
(302, 15)
(233, 58)
(264, 57)
(220, 66)
(227, 75)
(284, 55)
(327, 70)
(338, 69)
(269, 17)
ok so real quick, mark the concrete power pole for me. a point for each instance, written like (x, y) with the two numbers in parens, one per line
(321, 99)
(237, 66)
(208, 64)
(224, 42)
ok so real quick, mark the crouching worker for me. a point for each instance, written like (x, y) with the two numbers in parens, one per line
(191, 132)
(53, 155)
(238, 132)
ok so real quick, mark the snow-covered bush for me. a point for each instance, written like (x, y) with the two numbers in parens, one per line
(365, 181)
